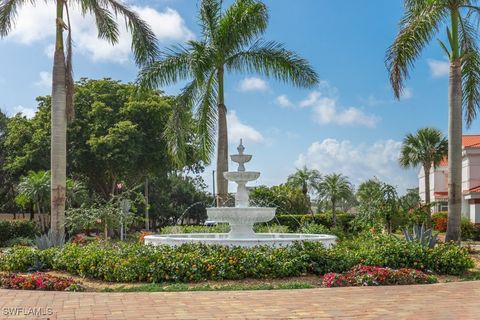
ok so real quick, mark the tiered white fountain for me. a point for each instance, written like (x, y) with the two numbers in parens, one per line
(241, 218)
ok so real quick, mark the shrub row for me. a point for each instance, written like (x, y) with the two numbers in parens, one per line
(10, 229)
(127, 262)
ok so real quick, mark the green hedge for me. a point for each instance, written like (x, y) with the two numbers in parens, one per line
(10, 229)
(127, 262)
(297, 221)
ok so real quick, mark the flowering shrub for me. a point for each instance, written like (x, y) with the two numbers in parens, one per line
(143, 234)
(375, 276)
(439, 221)
(39, 281)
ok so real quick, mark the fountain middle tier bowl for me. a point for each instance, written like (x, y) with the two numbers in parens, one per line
(241, 176)
(238, 215)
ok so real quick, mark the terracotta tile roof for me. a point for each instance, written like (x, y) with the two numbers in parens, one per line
(475, 189)
(468, 141)
(440, 194)
(471, 141)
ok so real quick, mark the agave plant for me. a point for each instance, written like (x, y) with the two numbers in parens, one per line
(49, 240)
(422, 235)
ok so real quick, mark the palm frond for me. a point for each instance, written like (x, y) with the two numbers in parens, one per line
(107, 27)
(241, 24)
(471, 84)
(206, 116)
(418, 25)
(178, 125)
(273, 60)
(144, 44)
(172, 67)
(8, 13)
(210, 14)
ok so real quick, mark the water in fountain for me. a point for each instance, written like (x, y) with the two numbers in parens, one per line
(241, 218)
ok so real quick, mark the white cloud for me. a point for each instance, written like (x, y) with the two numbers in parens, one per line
(27, 112)
(326, 110)
(253, 84)
(438, 68)
(168, 25)
(283, 101)
(238, 130)
(359, 162)
(407, 93)
(45, 79)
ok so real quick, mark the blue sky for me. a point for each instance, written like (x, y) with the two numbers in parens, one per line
(349, 124)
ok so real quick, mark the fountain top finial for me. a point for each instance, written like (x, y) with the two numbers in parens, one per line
(240, 147)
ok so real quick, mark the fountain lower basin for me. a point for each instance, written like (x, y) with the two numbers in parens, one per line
(259, 239)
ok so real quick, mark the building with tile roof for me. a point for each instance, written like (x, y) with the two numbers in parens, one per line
(470, 180)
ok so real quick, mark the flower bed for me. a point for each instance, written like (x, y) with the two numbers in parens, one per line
(376, 276)
(39, 281)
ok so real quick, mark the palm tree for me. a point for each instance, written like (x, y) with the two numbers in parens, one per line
(105, 11)
(305, 180)
(230, 42)
(334, 188)
(427, 147)
(421, 21)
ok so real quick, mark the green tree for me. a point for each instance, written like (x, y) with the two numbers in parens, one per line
(378, 205)
(305, 180)
(421, 21)
(426, 148)
(334, 188)
(229, 42)
(284, 197)
(144, 49)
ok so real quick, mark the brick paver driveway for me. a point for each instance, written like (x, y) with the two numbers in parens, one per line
(459, 300)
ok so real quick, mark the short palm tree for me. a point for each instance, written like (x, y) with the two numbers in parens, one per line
(426, 148)
(144, 48)
(334, 188)
(229, 42)
(305, 180)
(421, 21)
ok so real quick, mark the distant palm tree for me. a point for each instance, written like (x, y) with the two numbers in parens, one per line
(335, 188)
(421, 21)
(427, 147)
(104, 11)
(229, 42)
(305, 180)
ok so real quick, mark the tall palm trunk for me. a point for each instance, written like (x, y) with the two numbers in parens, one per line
(426, 169)
(334, 213)
(454, 135)
(455, 152)
(59, 130)
(222, 144)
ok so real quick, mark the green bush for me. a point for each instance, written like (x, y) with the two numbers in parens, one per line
(10, 229)
(272, 228)
(19, 241)
(298, 221)
(129, 262)
(469, 230)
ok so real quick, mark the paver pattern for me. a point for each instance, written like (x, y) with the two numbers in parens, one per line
(460, 300)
